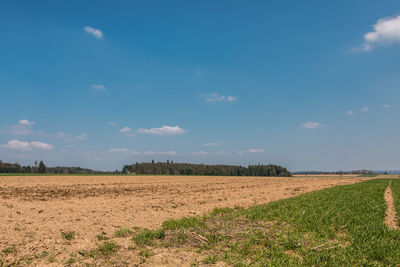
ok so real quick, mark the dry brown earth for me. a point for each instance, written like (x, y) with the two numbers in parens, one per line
(35, 210)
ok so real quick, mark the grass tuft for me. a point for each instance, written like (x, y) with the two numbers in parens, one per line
(123, 232)
(69, 235)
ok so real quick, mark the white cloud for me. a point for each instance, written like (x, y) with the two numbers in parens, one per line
(251, 150)
(212, 144)
(18, 145)
(81, 137)
(99, 87)
(386, 31)
(164, 130)
(350, 112)
(386, 106)
(125, 129)
(26, 122)
(41, 145)
(62, 135)
(364, 109)
(172, 153)
(118, 150)
(200, 153)
(98, 34)
(27, 146)
(111, 123)
(312, 125)
(215, 97)
(59, 135)
(123, 150)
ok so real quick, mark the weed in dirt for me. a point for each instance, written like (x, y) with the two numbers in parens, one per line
(123, 232)
(11, 249)
(52, 257)
(18, 227)
(102, 236)
(69, 235)
(185, 222)
(145, 237)
(145, 253)
(71, 261)
(108, 248)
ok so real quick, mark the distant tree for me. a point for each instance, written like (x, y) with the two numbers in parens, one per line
(42, 167)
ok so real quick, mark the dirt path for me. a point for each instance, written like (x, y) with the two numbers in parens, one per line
(391, 215)
(36, 210)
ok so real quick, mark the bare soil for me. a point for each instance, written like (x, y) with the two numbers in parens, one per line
(391, 215)
(34, 210)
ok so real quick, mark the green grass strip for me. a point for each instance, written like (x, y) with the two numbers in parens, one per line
(396, 195)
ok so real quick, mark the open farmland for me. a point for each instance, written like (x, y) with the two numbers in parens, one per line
(48, 219)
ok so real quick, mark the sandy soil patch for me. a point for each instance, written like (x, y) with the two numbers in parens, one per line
(391, 215)
(36, 210)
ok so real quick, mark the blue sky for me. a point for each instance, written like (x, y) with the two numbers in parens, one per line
(311, 85)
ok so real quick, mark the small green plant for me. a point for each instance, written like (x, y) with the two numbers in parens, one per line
(184, 222)
(123, 232)
(145, 237)
(11, 249)
(69, 235)
(71, 261)
(108, 248)
(52, 257)
(145, 253)
(102, 236)
(211, 259)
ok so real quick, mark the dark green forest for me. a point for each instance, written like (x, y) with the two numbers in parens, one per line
(171, 168)
(155, 168)
(42, 168)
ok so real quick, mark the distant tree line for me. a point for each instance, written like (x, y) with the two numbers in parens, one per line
(363, 171)
(42, 168)
(16, 168)
(171, 168)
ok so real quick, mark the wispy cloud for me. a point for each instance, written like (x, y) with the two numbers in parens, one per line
(118, 150)
(216, 97)
(123, 150)
(164, 130)
(27, 146)
(251, 150)
(364, 109)
(199, 72)
(26, 122)
(386, 106)
(23, 127)
(111, 123)
(99, 87)
(211, 144)
(127, 131)
(312, 125)
(97, 33)
(386, 31)
(350, 112)
(200, 153)
(171, 153)
(81, 137)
